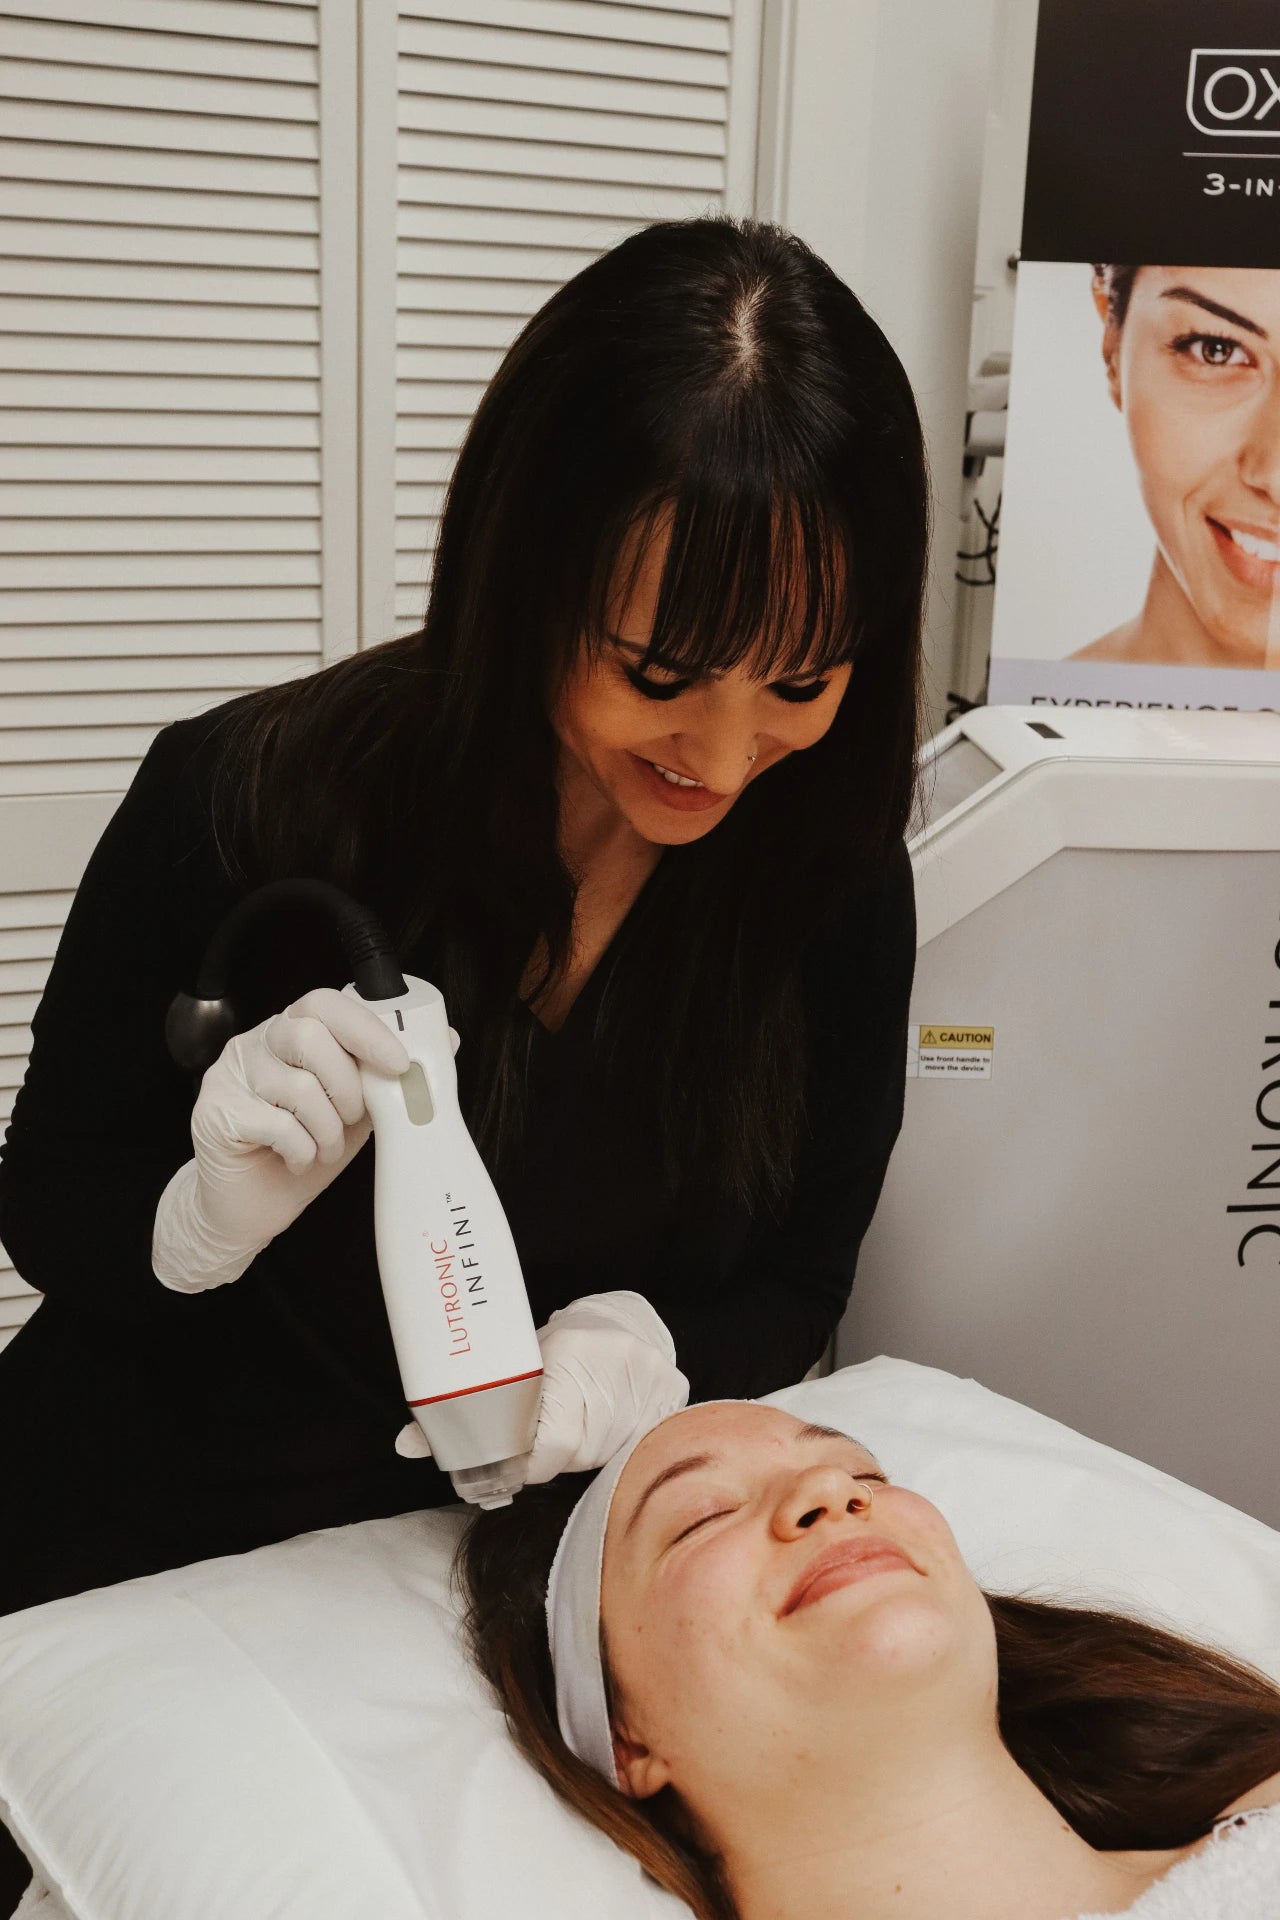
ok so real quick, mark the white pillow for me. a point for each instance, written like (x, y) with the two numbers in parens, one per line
(297, 1732)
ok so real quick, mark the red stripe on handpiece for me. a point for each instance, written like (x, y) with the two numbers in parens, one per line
(434, 1398)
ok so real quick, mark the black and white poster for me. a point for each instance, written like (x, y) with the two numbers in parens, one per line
(1140, 544)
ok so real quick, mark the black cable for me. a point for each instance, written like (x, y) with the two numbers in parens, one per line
(198, 1026)
(987, 552)
(957, 704)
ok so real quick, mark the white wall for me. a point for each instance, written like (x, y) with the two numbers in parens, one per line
(875, 159)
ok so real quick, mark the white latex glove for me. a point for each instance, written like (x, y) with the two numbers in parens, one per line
(609, 1364)
(279, 1114)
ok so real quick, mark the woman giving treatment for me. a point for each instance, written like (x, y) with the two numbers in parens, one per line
(633, 798)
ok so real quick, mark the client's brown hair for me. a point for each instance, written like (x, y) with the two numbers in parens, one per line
(1138, 1737)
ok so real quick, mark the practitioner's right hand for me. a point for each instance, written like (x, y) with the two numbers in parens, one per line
(608, 1367)
(279, 1114)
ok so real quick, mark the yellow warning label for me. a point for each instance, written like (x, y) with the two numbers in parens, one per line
(967, 1039)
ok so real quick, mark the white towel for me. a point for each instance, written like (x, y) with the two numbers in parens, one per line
(1235, 1876)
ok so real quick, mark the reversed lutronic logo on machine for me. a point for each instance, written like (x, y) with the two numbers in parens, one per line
(1233, 93)
(1267, 1112)
(937, 1050)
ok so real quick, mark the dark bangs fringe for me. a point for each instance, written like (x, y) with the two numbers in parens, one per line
(740, 566)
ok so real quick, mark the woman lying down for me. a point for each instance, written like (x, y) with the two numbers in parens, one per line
(766, 1672)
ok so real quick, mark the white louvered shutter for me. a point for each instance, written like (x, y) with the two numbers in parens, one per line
(162, 414)
(160, 326)
(532, 136)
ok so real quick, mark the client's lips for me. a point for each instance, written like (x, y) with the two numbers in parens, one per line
(868, 1554)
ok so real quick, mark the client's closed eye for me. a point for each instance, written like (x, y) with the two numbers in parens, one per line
(694, 1524)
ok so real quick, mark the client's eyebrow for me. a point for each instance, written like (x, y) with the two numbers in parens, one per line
(673, 1472)
(693, 1461)
(1212, 306)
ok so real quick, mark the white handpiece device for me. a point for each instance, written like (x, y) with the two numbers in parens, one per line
(460, 1319)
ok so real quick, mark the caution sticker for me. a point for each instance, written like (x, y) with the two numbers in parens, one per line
(938, 1051)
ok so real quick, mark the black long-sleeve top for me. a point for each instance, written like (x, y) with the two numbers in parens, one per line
(156, 1427)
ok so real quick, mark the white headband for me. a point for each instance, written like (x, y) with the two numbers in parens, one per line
(573, 1612)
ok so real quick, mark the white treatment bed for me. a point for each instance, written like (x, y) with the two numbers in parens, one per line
(296, 1733)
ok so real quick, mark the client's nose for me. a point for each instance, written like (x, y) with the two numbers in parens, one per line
(820, 1490)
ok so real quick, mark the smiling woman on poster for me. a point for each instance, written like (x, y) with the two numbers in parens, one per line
(1192, 358)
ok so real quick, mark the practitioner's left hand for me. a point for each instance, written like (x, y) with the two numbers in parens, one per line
(609, 1366)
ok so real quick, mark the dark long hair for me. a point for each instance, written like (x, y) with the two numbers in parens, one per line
(1138, 1737)
(717, 370)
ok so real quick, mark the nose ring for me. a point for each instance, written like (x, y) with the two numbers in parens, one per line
(751, 757)
(867, 1492)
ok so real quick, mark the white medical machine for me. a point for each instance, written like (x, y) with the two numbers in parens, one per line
(1083, 1208)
